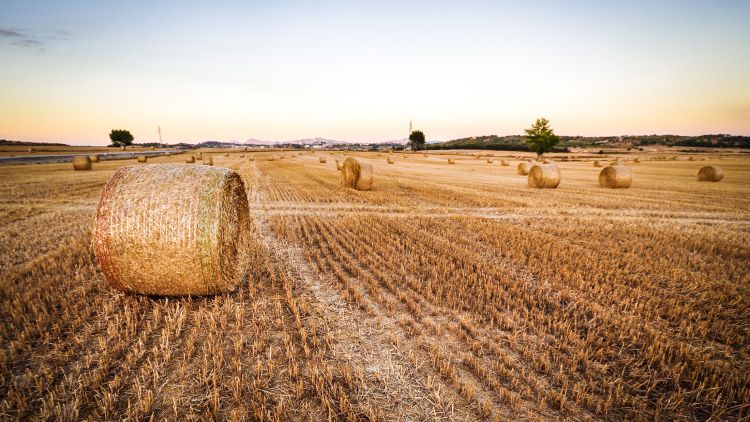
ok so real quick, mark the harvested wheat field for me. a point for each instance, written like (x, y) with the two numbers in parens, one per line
(446, 292)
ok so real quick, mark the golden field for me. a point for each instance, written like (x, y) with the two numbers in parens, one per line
(449, 292)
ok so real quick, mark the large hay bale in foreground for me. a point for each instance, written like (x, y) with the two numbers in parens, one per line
(208, 160)
(189, 159)
(142, 159)
(356, 174)
(81, 163)
(322, 160)
(616, 177)
(710, 174)
(524, 167)
(94, 158)
(172, 229)
(545, 176)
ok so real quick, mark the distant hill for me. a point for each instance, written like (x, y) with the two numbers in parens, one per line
(6, 142)
(516, 142)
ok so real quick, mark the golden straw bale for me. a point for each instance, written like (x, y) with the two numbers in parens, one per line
(691, 159)
(208, 160)
(252, 158)
(424, 155)
(226, 154)
(524, 167)
(242, 155)
(142, 159)
(322, 160)
(504, 163)
(637, 160)
(338, 165)
(544, 176)
(173, 229)
(616, 177)
(406, 156)
(356, 174)
(94, 158)
(547, 161)
(710, 174)
(190, 159)
(489, 160)
(451, 161)
(597, 163)
(199, 156)
(81, 162)
(390, 160)
(31, 150)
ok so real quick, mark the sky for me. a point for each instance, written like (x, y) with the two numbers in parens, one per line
(70, 71)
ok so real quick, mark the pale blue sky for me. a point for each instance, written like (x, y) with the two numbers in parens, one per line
(359, 71)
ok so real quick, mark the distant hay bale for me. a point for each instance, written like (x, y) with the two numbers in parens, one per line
(597, 163)
(142, 159)
(616, 163)
(226, 154)
(710, 174)
(637, 160)
(272, 158)
(252, 158)
(172, 229)
(338, 165)
(32, 149)
(451, 161)
(242, 155)
(524, 167)
(81, 163)
(489, 160)
(406, 156)
(199, 156)
(424, 155)
(691, 159)
(545, 176)
(702, 159)
(189, 159)
(616, 177)
(94, 158)
(504, 163)
(356, 174)
(208, 160)
(390, 160)
(547, 161)
(322, 160)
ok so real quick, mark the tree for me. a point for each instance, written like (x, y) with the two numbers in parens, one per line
(416, 140)
(120, 138)
(540, 137)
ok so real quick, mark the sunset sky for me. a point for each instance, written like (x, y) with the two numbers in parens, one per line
(70, 71)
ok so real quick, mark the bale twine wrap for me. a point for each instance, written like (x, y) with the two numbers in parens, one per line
(94, 158)
(322, 160)
(616, 177)
(451, 161)
(524, 167)
(356, 174)
(81, 163)
(710, 174)
(390, 160)
(142, 159)
(544, 176)
(173, 229)
(189, 159)
(504, 163)
(208, 160)
(597, 163)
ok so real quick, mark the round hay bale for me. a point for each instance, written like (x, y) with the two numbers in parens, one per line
(424, 155)
(710, 174)
(172, 229)
(637, 160)
(338, 165)
(32, 149)
(547, 161)
(504, 163)
(390, 160)
(94, 158)
(489, 160)
(691, 159)
(616, 163)
(208, 160)
(81, 163)
(199, 156)
(356, 174)
(189, 159)
(242, 155)
(616, 177)
(272, 158)
(142, 159)
(597, 163)
(252, 158)
(524, 167)
(406, 156)
(545, 176)
(322, 160)
(451, 161)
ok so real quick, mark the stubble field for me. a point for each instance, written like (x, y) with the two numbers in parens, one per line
(449, 292)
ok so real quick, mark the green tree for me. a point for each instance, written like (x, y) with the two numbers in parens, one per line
(540, 137)
(416, 140)
(120, 138)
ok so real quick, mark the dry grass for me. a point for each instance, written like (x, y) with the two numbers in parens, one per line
(446, 293)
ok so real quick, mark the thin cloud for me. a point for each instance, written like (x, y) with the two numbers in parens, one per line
(20, 39)
(10, 33)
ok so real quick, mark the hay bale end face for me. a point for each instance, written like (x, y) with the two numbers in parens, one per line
(616, 177)
(172, 229)
(189, 159)
(710, 174)
(524, 167)
(81, 163)
(142, 159)
(356, 174)
(322, 160)
(208, 160)
(544, 176)
(94, 158)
